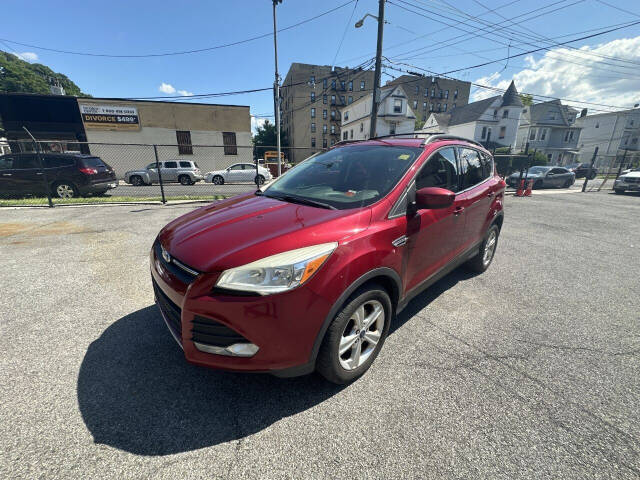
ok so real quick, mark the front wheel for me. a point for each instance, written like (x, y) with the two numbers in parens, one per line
(487, 250)
(185, 180)
(568, 183)
(259, 180)
(217, 180)
(356, 335)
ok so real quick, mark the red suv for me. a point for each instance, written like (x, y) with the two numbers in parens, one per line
(307, 273)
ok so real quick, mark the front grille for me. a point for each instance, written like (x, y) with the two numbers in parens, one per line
(632, 179)
(210, 332)
(176, 268)
(170, 310)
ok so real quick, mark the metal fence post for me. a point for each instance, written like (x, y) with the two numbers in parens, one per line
(40, 164)
(624, 157)
(586, 178)
(155, 151)
(255, 154)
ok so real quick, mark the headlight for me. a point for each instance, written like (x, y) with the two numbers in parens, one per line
(277, 273)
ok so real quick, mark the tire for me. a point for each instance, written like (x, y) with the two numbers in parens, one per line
(481, 262)
(217, 180)
(619, 191)
(136, 180)
(371, 303)
(567, 184)
(185, 180)
(259, 180)
(537, 184)
(64, 190)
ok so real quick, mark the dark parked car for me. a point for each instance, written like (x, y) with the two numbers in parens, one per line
(68, 175)
(308, 272)
(583, 170)
(558, 177)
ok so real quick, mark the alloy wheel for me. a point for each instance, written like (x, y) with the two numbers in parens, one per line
(361, 334)
(64, 191)
(489, 247)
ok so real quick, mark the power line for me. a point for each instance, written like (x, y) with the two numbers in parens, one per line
(184, 52)
(344, 34)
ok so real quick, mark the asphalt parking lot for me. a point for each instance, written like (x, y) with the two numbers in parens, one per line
(176, 190)
(530, 370)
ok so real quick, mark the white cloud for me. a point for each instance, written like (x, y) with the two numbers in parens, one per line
(185, 93)
(166, 88)
(28, 56)
(257, 122)
(587, 78)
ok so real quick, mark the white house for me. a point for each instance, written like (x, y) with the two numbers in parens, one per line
(493, 120)
(394, 115)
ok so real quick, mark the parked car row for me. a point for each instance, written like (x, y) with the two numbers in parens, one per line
(559, 177)
(583, 170)
(187, 172)
(628, 181)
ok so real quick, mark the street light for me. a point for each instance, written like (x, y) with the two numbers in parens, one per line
(378, 70)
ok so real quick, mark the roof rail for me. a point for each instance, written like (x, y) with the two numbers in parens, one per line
(444, 136)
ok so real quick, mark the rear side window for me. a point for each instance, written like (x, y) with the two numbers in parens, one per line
(487, 165)
(56, 162)
(24, 162)
(93, 162)
(170, 164)
(472, 171)
(439, 171)
(185, 165)
(6, 163)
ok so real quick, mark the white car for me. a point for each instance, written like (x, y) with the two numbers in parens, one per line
(627, 181)
(239, 173)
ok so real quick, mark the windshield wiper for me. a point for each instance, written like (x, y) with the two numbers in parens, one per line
(303, 201)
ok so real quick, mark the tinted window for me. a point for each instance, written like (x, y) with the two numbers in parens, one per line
(93, 162)
(236, 167)
(346, 177)
(487, 165)
(152, 165)
(6, 163)
(471, 168)
(439, 171)
(557, 171)
(56, 162)
(185, 164)
(170, 164)
(25, 161)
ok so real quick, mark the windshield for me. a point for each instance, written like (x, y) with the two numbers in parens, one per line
(538, 170)
(346, 177)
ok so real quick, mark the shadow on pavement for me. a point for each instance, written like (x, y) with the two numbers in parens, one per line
(137, 393)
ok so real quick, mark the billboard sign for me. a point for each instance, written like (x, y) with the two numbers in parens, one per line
(110, 117)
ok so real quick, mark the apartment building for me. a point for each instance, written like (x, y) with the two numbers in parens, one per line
(550, 128)
(432, 94)
(609, 135)
(312, 96)
(394, 115)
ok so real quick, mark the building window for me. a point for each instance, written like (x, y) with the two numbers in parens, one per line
(333, 84)
(333, 129)
(543, 134)
(324, 99)
(313, 112)
(184, 142)
(424, 105)
(345, 135)
(444, 108)
(439, 107)
(397, 105)
(313, 96)
(313, 142)
(455, 94)
(505, 114)
(333, 142)
(333, 114)
(333, 99)
(392, 128)
(324, 114)
(446, 94)
(312, 79)
(324, 143)
(417, 90)
(362, 127)
(229, 142)
(346, 115)
(362, 84)
(350, 100)
(453, 106)
(313, 127)
(351, 133)
(495, 113)
(503, 132)
(433, 92)
(351, 85)
(484, 133)
(597, 125)
(342, 101)
(550, 156)
(342, 85)
(532, 134)
(415, 105)
(324, 128)
(431, 107)
(324, 83)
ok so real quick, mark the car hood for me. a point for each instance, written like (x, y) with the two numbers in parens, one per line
(246, 228)
(630, 175)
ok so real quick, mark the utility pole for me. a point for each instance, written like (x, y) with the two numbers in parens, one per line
(593, 160)
(276, 86)
(378, 71)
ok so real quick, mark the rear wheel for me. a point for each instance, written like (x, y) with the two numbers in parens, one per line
(136, 180)
(185, 180)
(65, 190)
(356, 335)
(537, 184)
(259, 180)
(487, 250)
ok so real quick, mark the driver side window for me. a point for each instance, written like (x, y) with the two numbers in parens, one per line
(236, 167)
(439, 171)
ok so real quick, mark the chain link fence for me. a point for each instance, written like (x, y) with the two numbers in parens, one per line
(84, 172)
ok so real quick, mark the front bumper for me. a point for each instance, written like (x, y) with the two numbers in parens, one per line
(283, 326)
(622, 185)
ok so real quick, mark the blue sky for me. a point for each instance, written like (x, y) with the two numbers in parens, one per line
(141, 27)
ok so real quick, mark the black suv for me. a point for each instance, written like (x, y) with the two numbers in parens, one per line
(68, 175)
(583, 170)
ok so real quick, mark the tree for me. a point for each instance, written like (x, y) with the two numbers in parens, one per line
(419, 124)
(19, 76)
(526, 99)
(266, 139)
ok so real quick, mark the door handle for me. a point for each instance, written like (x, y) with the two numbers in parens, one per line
(7, 174)
(458, 210)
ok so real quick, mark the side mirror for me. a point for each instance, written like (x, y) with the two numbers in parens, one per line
(434, 197)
